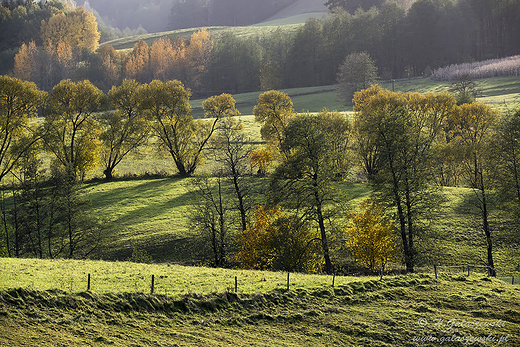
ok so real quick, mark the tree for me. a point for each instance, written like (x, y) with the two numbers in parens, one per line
(277, 241)
(261, 158)
(19, 101)
(198, 55)
(162, 59)
(235, 64)
(304, 179)
(352, 5)
(77, 28)
(70, 131)
(273, 72)
(211, 217)
(125, 129)
(357, 72)
(137, 64)
(306, 55)
(273, 109)
(111, 64)
(167, 105)
(472, 128)
(371, 237)
(31, 204)
(80, 235)
(232, 153)
(401, 131)
(182, 136)
(506, 151)
(466, 90)
(27, 63)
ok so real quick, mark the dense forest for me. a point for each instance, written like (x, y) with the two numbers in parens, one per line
(431, 34)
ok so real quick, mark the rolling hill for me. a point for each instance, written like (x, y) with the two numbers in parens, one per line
(311, 8)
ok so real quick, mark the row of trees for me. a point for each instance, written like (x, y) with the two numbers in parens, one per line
(407, 146)
(79, 136)
(431, 34)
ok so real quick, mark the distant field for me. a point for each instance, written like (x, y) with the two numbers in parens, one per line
(127, 43)
(289, 19)
(501, 93)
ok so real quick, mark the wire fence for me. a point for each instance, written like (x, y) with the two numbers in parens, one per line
(467, 269)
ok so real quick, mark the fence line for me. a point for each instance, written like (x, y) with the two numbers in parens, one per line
(466, 268)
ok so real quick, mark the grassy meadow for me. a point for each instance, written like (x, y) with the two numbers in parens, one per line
(192, 308)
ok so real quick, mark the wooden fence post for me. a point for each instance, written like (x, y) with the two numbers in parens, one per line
(236, 284)
(88, 283)
(152, 289)
(333, 279)
(512, 279)
(435, 268)
(288, 281)
(468, 270)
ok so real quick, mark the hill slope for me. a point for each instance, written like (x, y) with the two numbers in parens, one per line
(301, 7)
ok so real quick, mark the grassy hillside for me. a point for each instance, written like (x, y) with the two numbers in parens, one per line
(151, 214)
(502, 93)
(290, 18)
(397, 311)
(302, 10)
(45, 303)
(241, 31)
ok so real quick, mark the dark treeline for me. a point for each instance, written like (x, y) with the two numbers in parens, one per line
(431, 34)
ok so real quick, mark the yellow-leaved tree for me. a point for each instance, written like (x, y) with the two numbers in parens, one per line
(77, 28)
(70, 130)
(261, 158)
(276, 240)
(371, 238)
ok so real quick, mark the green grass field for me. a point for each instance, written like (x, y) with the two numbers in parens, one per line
(198, 307)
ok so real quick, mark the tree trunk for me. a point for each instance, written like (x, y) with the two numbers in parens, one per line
(108, 173)
(324, 244)
(487, 230)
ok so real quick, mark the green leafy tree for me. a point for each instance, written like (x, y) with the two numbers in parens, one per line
(315, 147)
(506, 151)
(70, 131)
(357, 72)
(473, 128)
(273, 109)
(19, 101)
(125, 129)
(465, 89)
(173, 123)
(402, 130)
